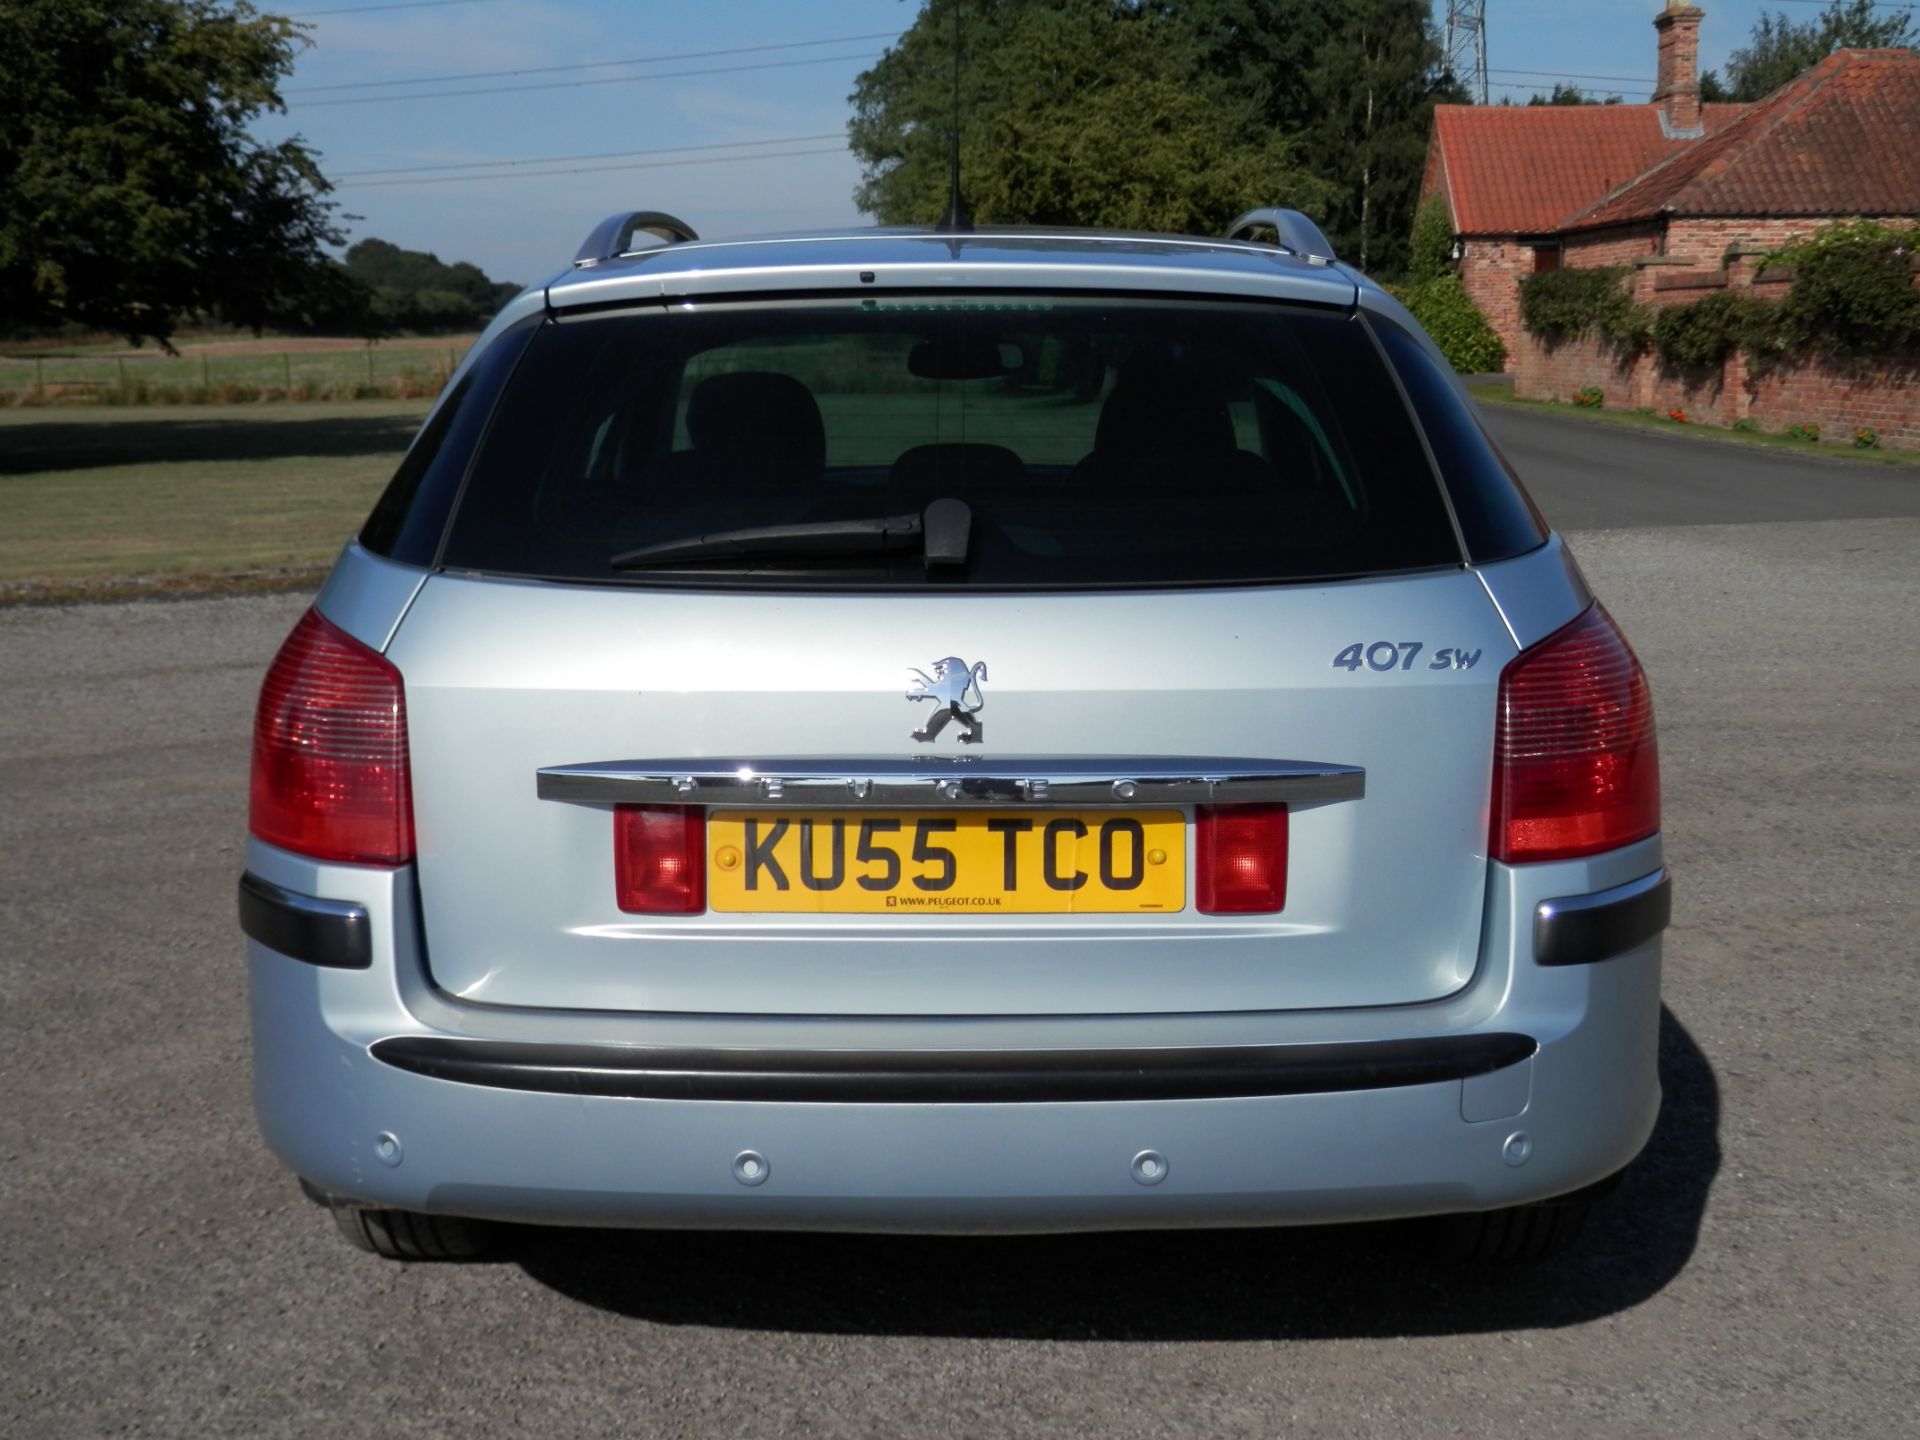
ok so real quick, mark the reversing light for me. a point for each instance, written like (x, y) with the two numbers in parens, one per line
(1240, 864)
(1575, 766)
(659, 859)
(330, 772)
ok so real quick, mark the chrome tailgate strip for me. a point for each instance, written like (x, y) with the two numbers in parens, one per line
(946, 781)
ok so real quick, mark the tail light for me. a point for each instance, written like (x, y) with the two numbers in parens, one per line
(1240, 867)
(1575, 767)
(660, 859)
(330, 773)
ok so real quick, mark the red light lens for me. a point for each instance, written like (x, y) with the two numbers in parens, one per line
(330, 773)
(1575, 766)
(1241, 864)
(660, 859)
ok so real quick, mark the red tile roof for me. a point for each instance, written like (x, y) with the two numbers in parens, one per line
(1843, 139)
(1522, 169)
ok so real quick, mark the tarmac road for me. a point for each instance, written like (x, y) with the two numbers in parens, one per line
(1758, 1274)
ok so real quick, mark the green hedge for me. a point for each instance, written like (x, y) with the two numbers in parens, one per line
(1853, 296)
(1566, 304)
(1701, 334)
(1852, 300)
(1449, 315)
(1432, 252)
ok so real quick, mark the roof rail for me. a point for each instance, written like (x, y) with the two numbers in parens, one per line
(1294, 231)
(614, 236)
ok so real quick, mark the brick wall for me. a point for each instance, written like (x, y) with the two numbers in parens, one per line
(1620, 246)
(1887, 398)
(1493, 268)
(1491, 271)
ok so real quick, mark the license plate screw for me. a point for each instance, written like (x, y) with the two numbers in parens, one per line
(1156, 857)
(1125, 789)
(1149, 1167)
(750, 1168)
(951, 789)
(727, 858)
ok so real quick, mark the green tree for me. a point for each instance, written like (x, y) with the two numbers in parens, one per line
(1375, 84)
(1781, 48)
(1262, 47)
(380, 264)
(1565, 94)
(1074, 112)
(131, 193)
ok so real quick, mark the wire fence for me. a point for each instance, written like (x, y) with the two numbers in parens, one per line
(205, 377)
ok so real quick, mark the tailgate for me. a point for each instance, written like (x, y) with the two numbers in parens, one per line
(1130, 708)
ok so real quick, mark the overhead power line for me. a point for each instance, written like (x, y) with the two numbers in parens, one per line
(569, 159)
(588, 65)
(594, 169)
(1517, 85)
(578, 84)
(1639, 80)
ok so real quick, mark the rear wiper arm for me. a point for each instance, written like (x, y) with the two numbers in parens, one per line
(940, 534)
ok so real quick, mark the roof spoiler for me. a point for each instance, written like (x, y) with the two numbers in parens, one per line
(615, 235)
(1293, 231)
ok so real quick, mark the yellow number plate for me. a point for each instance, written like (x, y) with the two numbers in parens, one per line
(973, 863)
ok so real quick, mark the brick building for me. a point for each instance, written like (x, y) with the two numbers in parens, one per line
(1841, 140)
(1689, 196)
(1512, 175)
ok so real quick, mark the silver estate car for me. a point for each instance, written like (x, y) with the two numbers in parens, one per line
(1000, 731)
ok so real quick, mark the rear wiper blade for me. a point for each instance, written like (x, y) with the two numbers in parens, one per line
(940, 534)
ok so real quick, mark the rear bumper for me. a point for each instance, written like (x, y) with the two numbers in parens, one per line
(1533, 1081)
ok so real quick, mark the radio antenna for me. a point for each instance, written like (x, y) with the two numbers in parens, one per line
(956, 219)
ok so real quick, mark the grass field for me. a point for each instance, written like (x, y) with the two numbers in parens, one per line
(226, 369)
(190, 499)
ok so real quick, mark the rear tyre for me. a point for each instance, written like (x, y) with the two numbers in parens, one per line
(406, 1235)
(1519, 1234)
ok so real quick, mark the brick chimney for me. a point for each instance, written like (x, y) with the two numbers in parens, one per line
(1678, 93)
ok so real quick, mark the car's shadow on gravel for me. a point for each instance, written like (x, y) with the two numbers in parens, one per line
(1361, 1280)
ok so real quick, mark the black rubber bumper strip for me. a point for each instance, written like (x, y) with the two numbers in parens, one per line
(1581, 929)
(964, 1077)
(334, 933)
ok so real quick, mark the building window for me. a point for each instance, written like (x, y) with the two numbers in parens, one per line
(1546, 257)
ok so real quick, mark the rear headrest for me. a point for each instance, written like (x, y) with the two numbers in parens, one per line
(758, 414)
(927, 472)
(1164, 408)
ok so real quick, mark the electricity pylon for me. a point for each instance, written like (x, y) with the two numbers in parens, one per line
(1467, 46)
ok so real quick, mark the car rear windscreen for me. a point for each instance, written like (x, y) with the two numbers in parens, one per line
(1095, 442)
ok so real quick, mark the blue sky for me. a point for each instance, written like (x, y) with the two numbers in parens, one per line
(525, 221)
